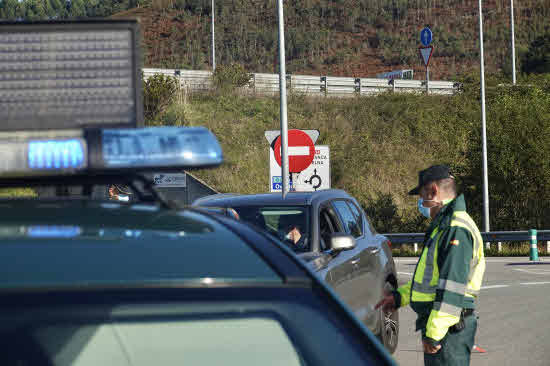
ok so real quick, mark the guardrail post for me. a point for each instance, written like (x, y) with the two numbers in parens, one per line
(324, 85)
(548, 247)
(289, 82)
(358, 85)
(488, 246)
(415, 248)
(534, 253)
(499, 246)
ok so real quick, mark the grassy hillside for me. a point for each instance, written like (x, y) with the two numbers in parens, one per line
(337, 37)
(379, 143)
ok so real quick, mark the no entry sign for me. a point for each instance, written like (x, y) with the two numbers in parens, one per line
(301, 150)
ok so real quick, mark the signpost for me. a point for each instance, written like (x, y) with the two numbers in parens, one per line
(315, 177)
(426, 51)
(282, 97)
(170, 180)
(301, 151)
(426, 36)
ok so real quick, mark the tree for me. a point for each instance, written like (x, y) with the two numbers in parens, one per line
(58, 8)
(8, 9)
(537, 58)
(34, 10)
(77, 9)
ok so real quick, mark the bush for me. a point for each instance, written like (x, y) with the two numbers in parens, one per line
(230, 76)
(158, 93)
(537, 58)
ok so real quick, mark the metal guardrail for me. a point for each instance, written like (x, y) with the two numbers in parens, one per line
(268, 84)
(488, 237)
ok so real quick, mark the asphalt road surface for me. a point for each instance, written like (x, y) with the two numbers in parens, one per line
(513, 309)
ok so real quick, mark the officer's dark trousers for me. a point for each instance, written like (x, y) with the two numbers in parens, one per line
(455, 347)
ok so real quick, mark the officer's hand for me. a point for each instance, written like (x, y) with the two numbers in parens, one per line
(387, 303)
(429, 348)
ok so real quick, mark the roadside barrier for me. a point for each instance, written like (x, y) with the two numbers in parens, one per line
(312, 85)
(532, 236)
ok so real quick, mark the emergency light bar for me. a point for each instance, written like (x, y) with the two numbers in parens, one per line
(41, 154)
(61, 75)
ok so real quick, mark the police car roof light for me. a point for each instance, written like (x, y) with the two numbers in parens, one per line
(108, 151)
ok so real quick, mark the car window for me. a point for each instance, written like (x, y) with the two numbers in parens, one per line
(358, 213)
(351, 225)
(240, 341)
(288, 223)
(328, 224)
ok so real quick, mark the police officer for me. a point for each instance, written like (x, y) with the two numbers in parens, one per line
(448, 275)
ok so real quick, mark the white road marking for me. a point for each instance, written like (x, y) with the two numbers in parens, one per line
(494, 286)
(538, 271)
(534, 283)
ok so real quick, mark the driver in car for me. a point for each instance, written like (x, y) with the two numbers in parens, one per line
(294, 236)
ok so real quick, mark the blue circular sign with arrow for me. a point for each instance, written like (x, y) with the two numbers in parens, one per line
(426, 36)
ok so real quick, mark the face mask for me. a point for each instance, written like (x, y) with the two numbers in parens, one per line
(288, 236)
(425, 211)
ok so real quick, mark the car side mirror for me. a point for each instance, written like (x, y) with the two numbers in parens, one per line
(341, 241)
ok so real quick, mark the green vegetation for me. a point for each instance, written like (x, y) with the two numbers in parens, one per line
(337, 37)
(158, 93)
(330, 37)
(537, 58)
(230, 77)
(63, 9)
(379, 143)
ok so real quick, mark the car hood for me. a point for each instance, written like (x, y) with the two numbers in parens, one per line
(93, 219)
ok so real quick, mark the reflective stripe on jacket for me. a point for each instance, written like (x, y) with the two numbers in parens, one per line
(449, 272)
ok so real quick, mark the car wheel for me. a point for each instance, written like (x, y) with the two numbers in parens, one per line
(389, 334)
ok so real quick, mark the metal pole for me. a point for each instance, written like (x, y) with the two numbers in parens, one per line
(513, 42)
(486, 225)
(282, 93)
(427, 80)
(213, 43)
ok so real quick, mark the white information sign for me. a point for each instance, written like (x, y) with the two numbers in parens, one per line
(315, 177)
(170, 180)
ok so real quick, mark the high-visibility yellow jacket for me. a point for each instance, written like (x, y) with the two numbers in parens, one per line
(448, 274)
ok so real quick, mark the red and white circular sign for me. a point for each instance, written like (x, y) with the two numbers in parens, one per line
(300, 150)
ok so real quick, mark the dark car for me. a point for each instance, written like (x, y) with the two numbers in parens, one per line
(102, 283)
(337, 242)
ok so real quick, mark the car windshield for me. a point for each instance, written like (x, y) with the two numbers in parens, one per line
(288, 223)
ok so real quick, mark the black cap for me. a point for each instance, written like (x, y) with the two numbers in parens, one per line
(433, 173)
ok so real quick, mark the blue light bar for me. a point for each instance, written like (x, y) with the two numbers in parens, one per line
(56, 154)
(182, 147)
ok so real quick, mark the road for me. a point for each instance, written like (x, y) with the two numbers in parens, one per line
(514, 315)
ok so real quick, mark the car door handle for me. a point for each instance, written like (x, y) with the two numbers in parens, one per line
(373, 250)
(356, 261)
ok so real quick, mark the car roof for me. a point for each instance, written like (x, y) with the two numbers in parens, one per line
(74, 243)
(292, 198)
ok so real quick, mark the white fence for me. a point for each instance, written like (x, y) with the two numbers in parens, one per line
(312, 85)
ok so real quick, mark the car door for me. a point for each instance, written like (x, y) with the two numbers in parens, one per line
(366, 279)
(342, 267)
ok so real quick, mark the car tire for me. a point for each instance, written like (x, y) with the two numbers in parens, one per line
(389, 324)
